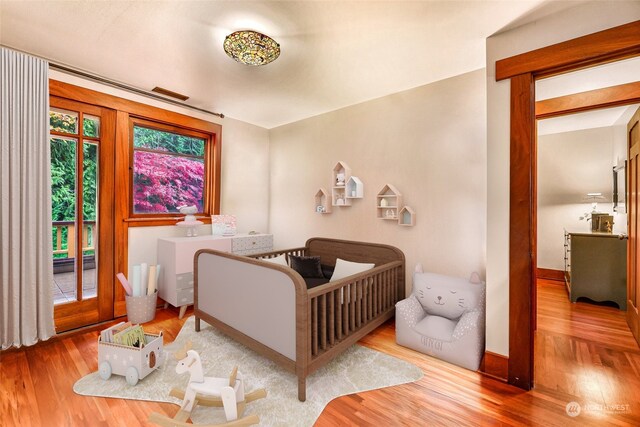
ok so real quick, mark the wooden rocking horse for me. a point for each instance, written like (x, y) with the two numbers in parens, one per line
(209, 391)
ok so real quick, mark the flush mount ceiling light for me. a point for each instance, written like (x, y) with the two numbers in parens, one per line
(251, 48)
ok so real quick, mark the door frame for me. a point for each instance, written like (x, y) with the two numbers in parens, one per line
(75, 314)
(598, 48)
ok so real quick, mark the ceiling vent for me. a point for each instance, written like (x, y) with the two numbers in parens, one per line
(167, 92)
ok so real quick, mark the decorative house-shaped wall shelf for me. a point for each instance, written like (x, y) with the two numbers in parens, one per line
(340, 176)
(388, 203)
(323, 204)
(407, 217)
(355, 188)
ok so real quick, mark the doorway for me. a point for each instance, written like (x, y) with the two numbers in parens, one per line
(82, 169)
(522, 71)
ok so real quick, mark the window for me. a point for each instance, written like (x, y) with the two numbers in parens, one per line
(169, 168)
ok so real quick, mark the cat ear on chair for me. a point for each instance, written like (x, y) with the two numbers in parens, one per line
(475, 278)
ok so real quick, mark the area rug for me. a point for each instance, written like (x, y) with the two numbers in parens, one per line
(357, 369)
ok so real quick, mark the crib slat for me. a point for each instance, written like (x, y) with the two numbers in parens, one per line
(363, 301)
(314, 326)
(385, 301)
(379, 290)
(374, 288)
(358, 299)
(365, 295)
(323, 321)
(369, 299)
(352, 308)
(331, 315)
(395, 284)
(336, 298)
(345, 312)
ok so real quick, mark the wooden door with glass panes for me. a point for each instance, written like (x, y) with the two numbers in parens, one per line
(82, 204)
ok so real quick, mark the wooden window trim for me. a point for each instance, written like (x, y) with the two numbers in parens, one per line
(602, 47)
(124, 110)
(208, 156)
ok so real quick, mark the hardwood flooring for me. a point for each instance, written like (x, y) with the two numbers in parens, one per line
(584, 353)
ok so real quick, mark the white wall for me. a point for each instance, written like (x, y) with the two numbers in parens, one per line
(570, 165)
(429, 142)
(244, 181)
(571, 23)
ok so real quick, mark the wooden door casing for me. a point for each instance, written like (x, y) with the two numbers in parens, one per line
(633, 135)
(601, 47)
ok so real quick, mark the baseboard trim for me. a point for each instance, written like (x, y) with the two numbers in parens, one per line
(549, 274)
(495, 366)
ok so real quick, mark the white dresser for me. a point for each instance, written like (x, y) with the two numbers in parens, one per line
(175, 255)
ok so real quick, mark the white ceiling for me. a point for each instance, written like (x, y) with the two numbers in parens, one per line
(606, 117)
(612, 74)
(334, 53)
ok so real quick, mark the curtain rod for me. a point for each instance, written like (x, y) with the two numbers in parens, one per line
(113, 83)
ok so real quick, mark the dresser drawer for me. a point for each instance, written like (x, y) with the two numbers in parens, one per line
(184, 280)
(247, 245)
(184, 297)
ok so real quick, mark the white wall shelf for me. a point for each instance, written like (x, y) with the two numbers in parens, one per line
(323, 204)
(355, 188)
(407, 217)
(388, 202)
(340, 176)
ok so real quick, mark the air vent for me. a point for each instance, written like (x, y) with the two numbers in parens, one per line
(167, 92)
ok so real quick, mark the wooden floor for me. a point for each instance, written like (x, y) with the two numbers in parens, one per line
(584, 353)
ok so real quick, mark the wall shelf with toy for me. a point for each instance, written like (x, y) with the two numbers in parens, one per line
(388, 203)
(323, 204)
(340, 176)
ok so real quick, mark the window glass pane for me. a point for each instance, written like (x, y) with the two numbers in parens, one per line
(63, 208)
(89, 179)
(63, 120)
(90, 217)
(63, 179)
(91, 126)
(159, 140)
(163, 182)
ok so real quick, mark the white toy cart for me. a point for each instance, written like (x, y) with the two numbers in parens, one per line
(132, 362)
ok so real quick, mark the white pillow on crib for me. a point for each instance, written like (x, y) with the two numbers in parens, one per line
(347, 268)
(280, 260)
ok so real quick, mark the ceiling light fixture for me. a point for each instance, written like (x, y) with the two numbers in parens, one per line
(251, 48)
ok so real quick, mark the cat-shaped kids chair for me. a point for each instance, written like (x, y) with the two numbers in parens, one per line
(444, 317)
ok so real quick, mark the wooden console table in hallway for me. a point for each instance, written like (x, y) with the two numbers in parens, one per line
(596, 267)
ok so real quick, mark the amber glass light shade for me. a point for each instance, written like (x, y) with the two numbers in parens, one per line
(251, 48)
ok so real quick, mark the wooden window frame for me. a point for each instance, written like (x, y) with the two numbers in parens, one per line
(125, 109)
(594, 49)
(208, 156)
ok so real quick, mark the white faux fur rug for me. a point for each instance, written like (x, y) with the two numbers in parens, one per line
(357, 369)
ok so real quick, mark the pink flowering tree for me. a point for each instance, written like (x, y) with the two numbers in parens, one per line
(163, 182)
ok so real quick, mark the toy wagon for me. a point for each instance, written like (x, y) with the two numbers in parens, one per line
(132, 362)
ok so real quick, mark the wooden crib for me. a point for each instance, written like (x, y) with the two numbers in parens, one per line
(268, 308)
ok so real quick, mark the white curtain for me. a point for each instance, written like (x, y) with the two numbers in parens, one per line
(26, 269)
